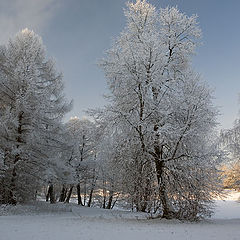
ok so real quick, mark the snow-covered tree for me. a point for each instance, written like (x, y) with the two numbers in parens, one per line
(82, 157)
(32, 108)
(231, 175)
(230, 141)
(162, 111)
(109, 169)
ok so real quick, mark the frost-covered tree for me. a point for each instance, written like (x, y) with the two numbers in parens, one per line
(230, 141)
(162, 111)
(109, 168)
(231, 175)
(32, 108)
(82, 157)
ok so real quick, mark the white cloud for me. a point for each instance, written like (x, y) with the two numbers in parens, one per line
(16, 15)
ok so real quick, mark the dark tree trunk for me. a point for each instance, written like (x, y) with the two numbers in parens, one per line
(167, 211)
(110, 200)
(51, 195)
(79, 195)
(114, 203)
(47, 196)
(85, 193)
(90, 197)
(63, 194)
(104, 194)
(158, 150)
(69, 194)
(104, 202)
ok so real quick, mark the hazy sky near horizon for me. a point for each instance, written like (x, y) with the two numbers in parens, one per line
(77, 33)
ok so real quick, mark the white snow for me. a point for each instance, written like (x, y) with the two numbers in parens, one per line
(40, 221)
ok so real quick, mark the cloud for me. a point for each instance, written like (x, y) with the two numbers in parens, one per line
(16, 15)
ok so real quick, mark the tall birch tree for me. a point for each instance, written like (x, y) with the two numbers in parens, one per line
(162, 110)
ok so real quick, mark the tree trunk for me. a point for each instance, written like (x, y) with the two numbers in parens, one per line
(114, 203)
(90, 197)
(12, 198)
(47, 196)
(85, 193)
(168, 212)
(35, 195)
(51, 195)
(79, 195)
(104, 194)
(110, 200)
(69, 194)
(63, 194)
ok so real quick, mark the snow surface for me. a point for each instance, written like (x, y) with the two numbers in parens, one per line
(38, 221)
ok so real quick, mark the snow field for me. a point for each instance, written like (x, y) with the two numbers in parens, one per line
(40, 221)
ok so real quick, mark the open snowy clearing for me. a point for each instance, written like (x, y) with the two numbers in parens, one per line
(69, 221)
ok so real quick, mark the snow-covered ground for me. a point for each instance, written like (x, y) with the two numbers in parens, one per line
(42, 221)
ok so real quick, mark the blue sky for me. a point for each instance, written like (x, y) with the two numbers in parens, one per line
(77, 32)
